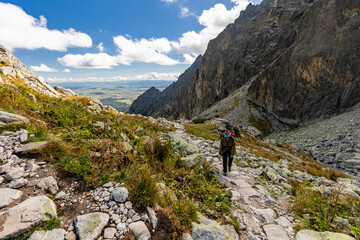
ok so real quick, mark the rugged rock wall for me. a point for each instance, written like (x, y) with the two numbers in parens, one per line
(13, 67)
(173, 101)
(303, 54)
(319, 75)
(243, 50)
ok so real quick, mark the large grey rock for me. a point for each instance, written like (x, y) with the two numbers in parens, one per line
(14, 173)
(139, 131)
(90, 226)
(186, 236)
(56, 234)
(48, 184)
(18, 183)
(266, 215)
(194, 159)
(5, 167)
(284, 222)
(313, 235)
(152, 216)
(6, 118)
(8, 195)
(230, 229)
(275, 232)
(32, 166)
(21, 218)
(109, 233)
(30, 146)
(140, 230)
(120, 194)
(207, 229)
(64, 91)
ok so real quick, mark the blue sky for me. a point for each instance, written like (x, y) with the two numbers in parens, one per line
(112, 39)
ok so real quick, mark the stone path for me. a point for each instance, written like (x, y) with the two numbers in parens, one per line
(259, 189)
(258, 186)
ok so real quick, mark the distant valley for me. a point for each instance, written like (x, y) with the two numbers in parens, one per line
(118, 94)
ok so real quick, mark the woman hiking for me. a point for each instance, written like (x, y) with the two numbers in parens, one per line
(227, 150)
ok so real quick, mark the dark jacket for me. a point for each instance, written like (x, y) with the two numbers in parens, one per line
(225, 145)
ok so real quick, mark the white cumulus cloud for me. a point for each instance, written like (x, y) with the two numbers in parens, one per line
(144, 50)
(214, 21)
(169, 1)
(101, 47)
(185, 12)
(89, 60)
(66, 70)
(43, 68)
(20, 30)
(157, 50)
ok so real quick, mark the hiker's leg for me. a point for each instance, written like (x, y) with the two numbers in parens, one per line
(225, 162)
(230, 162)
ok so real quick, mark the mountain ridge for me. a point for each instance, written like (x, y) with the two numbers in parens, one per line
(267, 38)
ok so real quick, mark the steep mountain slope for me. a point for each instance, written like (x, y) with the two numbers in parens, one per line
(319, 75)
(12, 67)
(243, 50)
(154, 102)
(302, 56)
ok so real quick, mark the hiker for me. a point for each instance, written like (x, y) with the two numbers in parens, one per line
(227, 150)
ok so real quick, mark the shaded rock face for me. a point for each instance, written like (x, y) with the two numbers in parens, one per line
(144, 104)
(167, 102)
(319, 75)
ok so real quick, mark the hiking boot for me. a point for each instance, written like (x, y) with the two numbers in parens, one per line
(225, 173)
(229, 169)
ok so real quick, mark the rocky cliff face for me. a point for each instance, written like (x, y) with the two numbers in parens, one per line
(318, 76)
(13, 68)
(167, 103)
(301, 56)
(243, 50)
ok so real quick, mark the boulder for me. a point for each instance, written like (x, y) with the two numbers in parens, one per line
(230, 229)
(109, 233)
(8, 195)
(120, 194)
(313, 235)
(90, 226)
(140, 230)
(14, 173)
(30, 146)
(284, 222)
(56, 234)
(60, 196)
(5, 167)
(194, 159)
(32, 166)
(7, 118)
(207, 229)
(48, 184)
(275, 232)
(139, 131)
(21, 218)
(18, 183)
(186, 236)
(266, 215)
(152, 216)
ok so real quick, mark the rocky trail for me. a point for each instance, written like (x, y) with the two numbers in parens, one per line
(260, 199)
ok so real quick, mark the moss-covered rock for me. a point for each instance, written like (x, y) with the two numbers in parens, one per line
(313, 235)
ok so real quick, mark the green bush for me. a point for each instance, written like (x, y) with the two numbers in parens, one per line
(143, 191)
